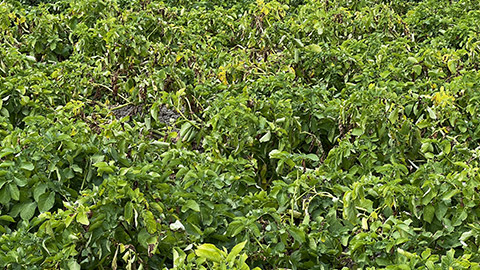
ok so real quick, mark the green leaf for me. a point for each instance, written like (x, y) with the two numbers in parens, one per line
(4, 195)
(6, 151)
(14, 192)
(417, 69)
(428, 196)
(38, 191)
(235, 227)
(393, 116)
(428, 213)
(27, 166)
(452, 66)
(412, 60)
(191, 204)
(441, 210)
(46, 201)
(76, 168)
(7, 218)
(447, 196)
(297, 234)
(160, 144)
(210, 252)
(426, 253)
(21, 182)
(103, 167)
(143, 237)
(185, 128)
(128, 212)
(357, 131)
(69, 220)
(235, 251)
(313, 157)
(27, 210)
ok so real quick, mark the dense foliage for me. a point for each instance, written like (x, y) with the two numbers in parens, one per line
(315, 134)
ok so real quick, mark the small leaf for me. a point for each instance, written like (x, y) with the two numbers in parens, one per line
(160, 144)
(426, 253)
(210, 252)
(298, 42)
(441, 210)
(266, 137)
(185, 127)
(69, 220)
(6, 151)
(76, 168)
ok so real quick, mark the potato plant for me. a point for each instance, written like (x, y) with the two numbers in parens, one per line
(288, 134)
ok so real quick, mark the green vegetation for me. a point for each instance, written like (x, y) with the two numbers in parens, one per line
(315, 134)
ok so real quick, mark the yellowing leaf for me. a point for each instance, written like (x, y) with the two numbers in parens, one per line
(150, 222)
(222, 76)
(82, 218)
(364, 224)
(441, 98)
(314, 48)
(210, 252)
(452, 66)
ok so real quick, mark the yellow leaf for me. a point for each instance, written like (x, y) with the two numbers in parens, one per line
(179, 57)
(441, 98)
(222, 76)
